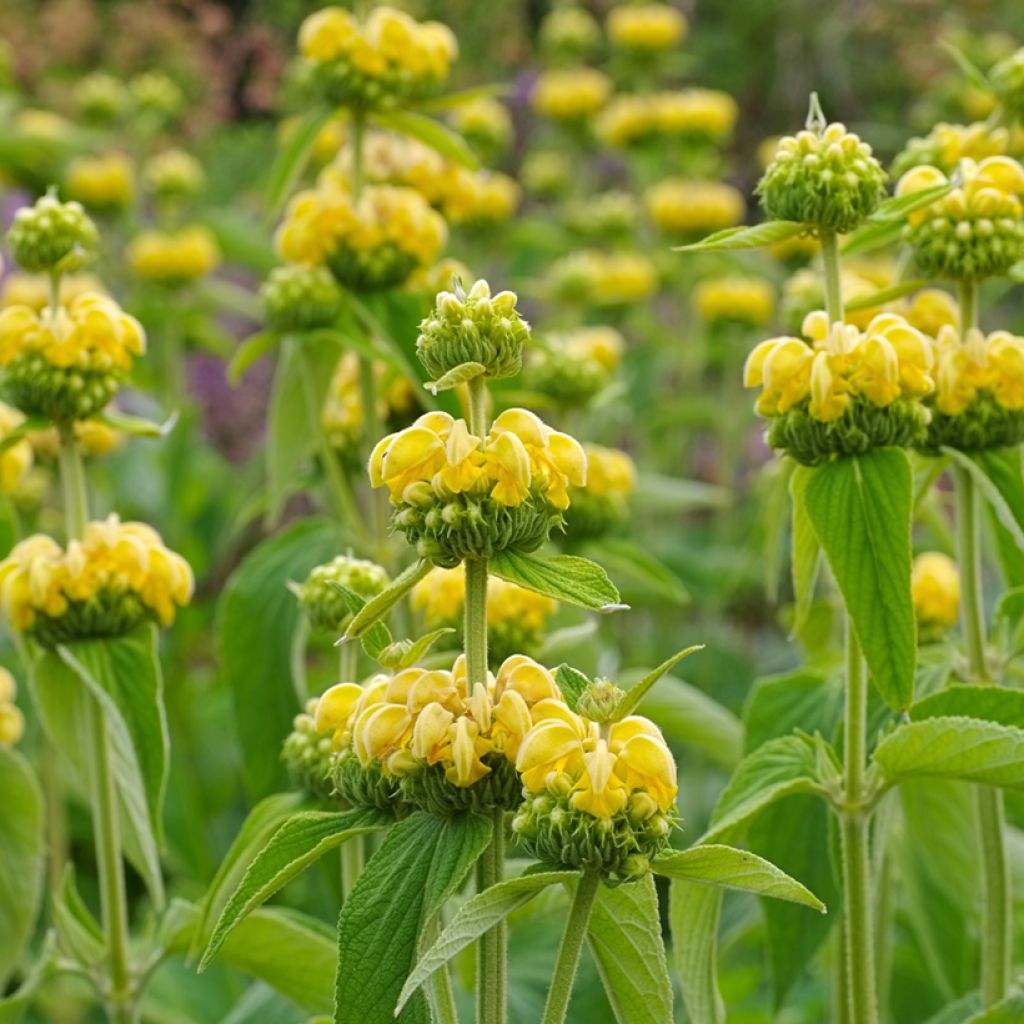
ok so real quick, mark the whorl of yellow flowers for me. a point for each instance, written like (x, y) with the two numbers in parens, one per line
(388, 56)
(596, 277)
(602, 505)
(975, 230)
(16, 458)
(678, 206)
(611, 473)
(571, 94)
(174, 257)
(375, 241)
(635, 118)
(12, 722)
(437, 456)
(342, 414)
(935, 585)
(843, 379)
(947, 144)
(114, 577)
(33, 290)
(104, 182)
(645, 27)
(745, 300)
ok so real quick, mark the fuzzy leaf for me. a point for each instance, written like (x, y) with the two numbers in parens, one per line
(806, 555)
(745, 237)
(872, 235)
(437, 136)
(253, 349)
(628, 702)
(455, 376)
(408, 652)
(991, 703)
(377, 607)
(378, 637)
(564, 577)
(572, 683)
(896, 208)
(998, 476)
(881, 297)
(293, 156)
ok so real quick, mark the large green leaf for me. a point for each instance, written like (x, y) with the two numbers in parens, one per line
(743, 237)
(797, 700)
(954, 747)
(263, 821)
(992, 703)
(123, 673)
(65, 708)
(860, 508)
(476, 917)
(79, 934)
(624, 935)
(779, 768)
(422, 862)
(806, 554)
(729, 868)
(300, 841)
(1007, 1011)
(21, 856)
(256, 618)
(564, 577)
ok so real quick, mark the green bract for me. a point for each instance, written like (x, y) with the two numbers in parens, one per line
(300, 298)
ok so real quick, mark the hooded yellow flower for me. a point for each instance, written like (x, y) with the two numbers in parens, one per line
(105, 182)
(572, 94)
(16, 459)
(174, 257)
(935, 585)
(745, 300)
(678, 206)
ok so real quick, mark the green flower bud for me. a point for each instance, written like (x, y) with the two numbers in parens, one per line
(985, 424)
(300, 298)
(309, 755)
(473, 328)
(323, 605)
(359, 785)
(620, 847)
(52, 236)
(61, 394)
(101, 98)
(1007, 80)
(430, 790)
(375, 270)
(825, 177)
(107, 613)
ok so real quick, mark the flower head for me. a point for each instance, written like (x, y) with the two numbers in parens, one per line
(595, 277)
(342, 414)
(174, 257)
(16, 459)
(935, 585)
(173, 175)
(574, 366)
(947, 144)
(325, 608)
(106, 182)
(52, 235)
(742, 300)
(572, 94)
(602, 506)
(645, 28)
(297, 297)
(678, 206)
(12, 722)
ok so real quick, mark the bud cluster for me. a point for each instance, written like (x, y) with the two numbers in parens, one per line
(678, 206)
(574, 366)
(636, 119)
(300, 298)
(52, 236)
(325, 608)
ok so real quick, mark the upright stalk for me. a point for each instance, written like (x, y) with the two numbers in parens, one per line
(968, 305)
(830, 264)
(859, 935)
(997, 934)
(570, 949)
(72, 475)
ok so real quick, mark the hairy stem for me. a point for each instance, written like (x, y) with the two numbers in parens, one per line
(830, 264)
(570, 949)
(968, 306)
(72, 475)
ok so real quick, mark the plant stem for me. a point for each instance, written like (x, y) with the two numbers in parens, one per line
(356, 145)
(570, 949)
(859, 936)
(442, 998)
(477, 388)
(475, 623)
(830, 264)
(968, 306)
(372, 431)
(113, 901)
(997, 935)
(72, 475)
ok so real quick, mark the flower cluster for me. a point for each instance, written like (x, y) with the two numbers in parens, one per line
(935, 585)
(67, 365)
(460, 496)
(12, 722)
(94, 439)
(173, 175)
(569, 32)
(373, 242)
(105, 182)
(692, 114)
(976, 229)
(325, 608)
(598, 798)
(342, 413)
(740, 300)
(844, 390)
(33, 290)
(387, 58)
(571, 95)
(115, 577)
(602, 506)
(574, 366)
(645, 28)
(947, 144)
(174, 257)
(596, 277)
(16, 458)
(680, 207)
(515, 616)
(485, 124)
(52, 235)
(979, 394)
(828, 180)
(300, 298)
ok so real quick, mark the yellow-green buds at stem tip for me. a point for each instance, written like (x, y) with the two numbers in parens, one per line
(324, 606)
(300, 298)
(52, 236)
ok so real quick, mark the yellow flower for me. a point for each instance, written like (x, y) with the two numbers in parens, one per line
(604, 278)
(646, 26)
(929, 310)
(566, 753)
(95, 439)
(679, 206)
(106, 182)
(342, 414)
(935, 585)
(484, 121)
(174, 257)
(748, 300)
(572, 94)
(967, 366)
(990, 188)
(33, 290)
(633, 118)
(90, 333)
(16, 459)
(610, 473)
(12, 722)
(97, 583)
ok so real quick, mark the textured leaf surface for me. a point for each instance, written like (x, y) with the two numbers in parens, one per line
(564, 577)
(768, 233)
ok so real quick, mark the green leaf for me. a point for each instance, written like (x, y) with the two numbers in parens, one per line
(806, 556)
(744, 237)
(969, 69)
(43, 967)
(991, 703)
(884, 295)
(300, 841)
(291, 952)
(777, 769)
(631, 563)
(256, 619)
(78, 932)
(872, 235)
(437, 136)
(405, 653)
(564, 577)
(421, 863)
(455, 376)
(377, 607)
(378, 636)
(954, 747)
(1007, 1011)
(624, 935)
(572, 684)
(628, 702)
(729, 868)
(292, 158)
(896, 208)
(27, 426)
(22, 857)
(263, 821)
(860, 509)
(689, 716)
(796, 700)
(476, 917)
(998, 476)
(123, 673)
(254, 348)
